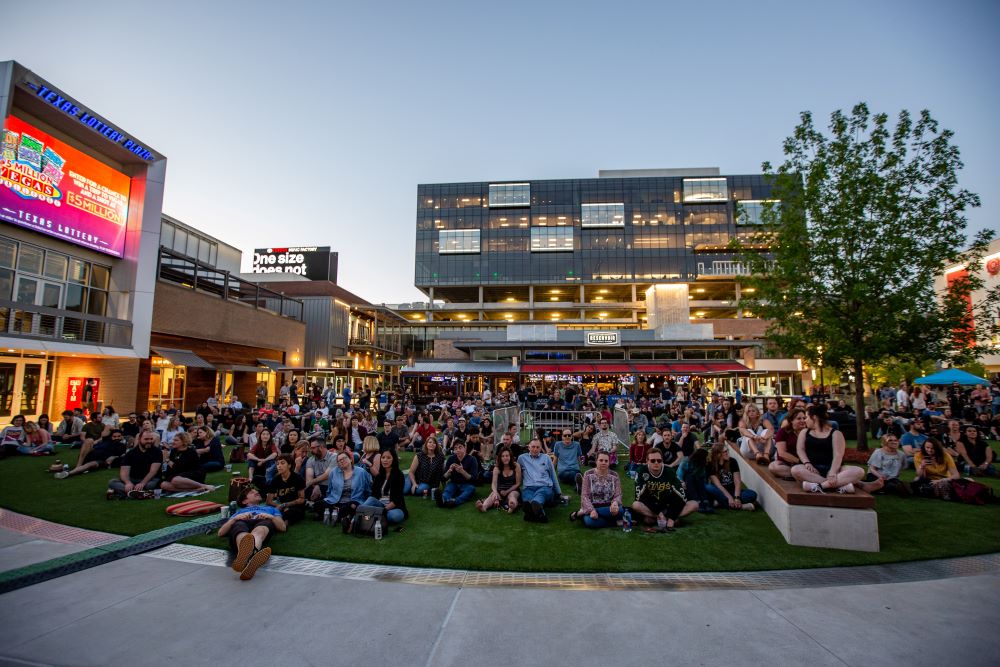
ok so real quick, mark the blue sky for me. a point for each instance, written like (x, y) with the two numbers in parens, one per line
(302, 123)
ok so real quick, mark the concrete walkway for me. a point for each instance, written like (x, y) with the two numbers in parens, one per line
(153, 610)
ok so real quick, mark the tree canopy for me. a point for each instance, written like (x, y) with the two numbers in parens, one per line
(861, 222)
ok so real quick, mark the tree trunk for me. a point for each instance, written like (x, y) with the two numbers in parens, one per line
(859, 406)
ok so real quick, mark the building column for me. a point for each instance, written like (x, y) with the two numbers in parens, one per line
(583, 295)
(480, 296)
(531, 297)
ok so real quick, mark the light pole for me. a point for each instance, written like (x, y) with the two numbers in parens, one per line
(819, 350)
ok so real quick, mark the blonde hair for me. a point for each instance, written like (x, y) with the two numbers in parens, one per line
(370, 444)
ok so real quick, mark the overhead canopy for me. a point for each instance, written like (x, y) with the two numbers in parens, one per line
(239, 368)
(182, 358)
(659, 368)
(275, 366)
(950, 376)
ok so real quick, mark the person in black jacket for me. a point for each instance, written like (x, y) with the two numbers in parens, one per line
(387, 489)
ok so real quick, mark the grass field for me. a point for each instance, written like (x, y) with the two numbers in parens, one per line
(910, 529)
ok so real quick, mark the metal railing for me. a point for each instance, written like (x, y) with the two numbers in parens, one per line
(504, 417)
(192, 274)
(44, 323)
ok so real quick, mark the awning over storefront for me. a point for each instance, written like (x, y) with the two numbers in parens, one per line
(239, 368)
(671, 368)
(271, 364)
(461, 367)
(182, 358)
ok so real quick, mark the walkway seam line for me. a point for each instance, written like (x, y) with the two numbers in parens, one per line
(802, 630)
(444, 624)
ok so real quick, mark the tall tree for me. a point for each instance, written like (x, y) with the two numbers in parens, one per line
(869, 216)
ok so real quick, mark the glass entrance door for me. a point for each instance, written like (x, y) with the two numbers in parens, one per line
(22, 389)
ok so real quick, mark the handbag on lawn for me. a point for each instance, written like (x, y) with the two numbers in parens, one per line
(362, 524)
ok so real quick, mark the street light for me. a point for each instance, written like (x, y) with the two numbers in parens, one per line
(819, 350)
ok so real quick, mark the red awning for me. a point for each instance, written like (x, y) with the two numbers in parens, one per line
(616, 369)
(565, 369)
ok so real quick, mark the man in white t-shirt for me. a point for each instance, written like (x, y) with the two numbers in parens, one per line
(902, 397)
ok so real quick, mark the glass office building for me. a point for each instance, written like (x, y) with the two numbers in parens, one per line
(584, 250)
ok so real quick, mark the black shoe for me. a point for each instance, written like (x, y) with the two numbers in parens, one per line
(439, 500)
(529, 512)
(451, 504)
(542, 517)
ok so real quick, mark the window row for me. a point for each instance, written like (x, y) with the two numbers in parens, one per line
(510, 194)
(35, 276)
(189, 244)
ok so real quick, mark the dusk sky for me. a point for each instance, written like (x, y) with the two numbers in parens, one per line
(300, 123)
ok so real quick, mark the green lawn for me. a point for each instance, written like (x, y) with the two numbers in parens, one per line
(910, 529)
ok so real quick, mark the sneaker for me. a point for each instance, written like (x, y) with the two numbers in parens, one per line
(244, 550)
(62, 474)
(846, 488)
(542, 517)
(812, 487)
(140, 494)
(256, 561)
(749, 507)
(578, 483)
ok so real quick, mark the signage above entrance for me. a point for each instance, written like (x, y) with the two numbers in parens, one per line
(603, 338)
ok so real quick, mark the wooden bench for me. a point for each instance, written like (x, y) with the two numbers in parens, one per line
(828, 520)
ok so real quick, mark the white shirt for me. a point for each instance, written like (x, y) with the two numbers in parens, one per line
(902, 398)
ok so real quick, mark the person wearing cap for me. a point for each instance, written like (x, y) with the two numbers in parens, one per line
(460, 472)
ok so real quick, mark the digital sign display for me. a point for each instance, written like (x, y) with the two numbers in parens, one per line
(52, 188)
(315, 263)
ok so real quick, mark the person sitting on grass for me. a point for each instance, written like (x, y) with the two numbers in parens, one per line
(140, 468)
(12, 437)
(821, 450)
(426, 470)
(69, 430)
(505, 484)
(461, 472)
(785, 442)
(567, 452)
(606, 441)
(347, 487)
(261, 457)
(911, 441)
(601, 496)
(539, 483)
(209, 448)
(637, 452)
(184, 471)
(885, 465)
(287, 491)
(248, 530)
(318, 469)
(370, 455)
(976, 453)
(756, 437)
(693, 472)
(935, 471)
(659, 496)
(387, 488)
(724, 481)
(104, 454)
(37, 441)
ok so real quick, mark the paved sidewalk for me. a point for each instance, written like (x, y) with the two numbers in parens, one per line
(149, 610)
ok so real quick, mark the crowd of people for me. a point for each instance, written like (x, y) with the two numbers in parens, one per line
(326, 454)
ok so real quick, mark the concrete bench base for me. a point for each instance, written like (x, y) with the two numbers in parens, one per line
(807, 526)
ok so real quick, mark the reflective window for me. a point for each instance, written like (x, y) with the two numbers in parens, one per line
(458, 241)
(749, 212)
(510, 194)
(552, 239)
(603, 215)
(8, 253)
(705, 189)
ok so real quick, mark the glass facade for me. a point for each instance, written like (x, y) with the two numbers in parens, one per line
(458, 241)
(748, 211)
(587, 231)
(705, 189)
(602, 215)
(510, 194)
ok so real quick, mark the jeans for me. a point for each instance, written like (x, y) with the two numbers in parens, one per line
(36, 449)
(568, 475)
(269, 471)
(118, 485)
(714, 492)
(990, 471)
(392, 516)
(539, 494)
(460, 493)
(422, 487)
(604, 518)
(212, 466)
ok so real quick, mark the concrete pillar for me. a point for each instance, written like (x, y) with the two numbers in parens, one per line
(583, 295)
(480, 296)
(531, 296)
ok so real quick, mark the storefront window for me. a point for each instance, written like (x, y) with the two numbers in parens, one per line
(166, 384)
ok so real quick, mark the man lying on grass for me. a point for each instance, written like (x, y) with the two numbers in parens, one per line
(249, 529)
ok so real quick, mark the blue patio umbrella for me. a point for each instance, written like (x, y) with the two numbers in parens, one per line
(950, 375)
